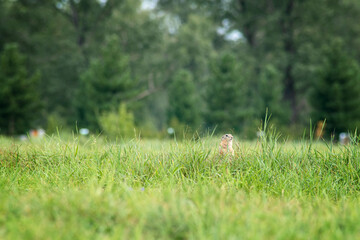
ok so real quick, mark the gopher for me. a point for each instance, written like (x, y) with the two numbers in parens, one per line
(226, 144)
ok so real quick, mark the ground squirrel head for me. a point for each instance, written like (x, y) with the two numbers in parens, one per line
(228, 137)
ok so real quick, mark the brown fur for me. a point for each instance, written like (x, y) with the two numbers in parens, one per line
(319, 133)
(226, 144)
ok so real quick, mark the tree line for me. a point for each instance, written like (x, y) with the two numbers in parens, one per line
(184, 64)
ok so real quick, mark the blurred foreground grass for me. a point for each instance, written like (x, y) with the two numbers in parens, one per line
(148, 189)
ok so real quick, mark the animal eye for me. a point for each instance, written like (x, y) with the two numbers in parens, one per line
(226, 135)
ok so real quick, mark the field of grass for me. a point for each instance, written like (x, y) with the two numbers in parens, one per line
(151, 189)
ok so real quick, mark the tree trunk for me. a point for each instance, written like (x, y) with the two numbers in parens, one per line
(290, 93)
(287, 27)
(249, 30)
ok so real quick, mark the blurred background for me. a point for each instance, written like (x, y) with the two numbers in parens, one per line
(165, 66)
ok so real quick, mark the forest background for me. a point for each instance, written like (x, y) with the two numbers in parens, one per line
(113, 66)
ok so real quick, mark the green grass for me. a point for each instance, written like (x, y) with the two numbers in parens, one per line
(147, 189)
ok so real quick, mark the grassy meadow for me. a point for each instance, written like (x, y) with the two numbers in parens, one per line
(88, 188)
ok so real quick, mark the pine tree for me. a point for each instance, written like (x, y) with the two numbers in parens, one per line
(226, 95)
(19, 98)
(183, 100)
(336, 95)
(106, 83)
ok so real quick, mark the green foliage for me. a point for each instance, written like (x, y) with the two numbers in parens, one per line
(91, 52)
(226, 94)
(52, 49)
(336, 93)
(183, 100)
(192, 47)
(184, 9)
(119, 124)
(55, 124)
(106, 83)
(270, 94)
(19, 93)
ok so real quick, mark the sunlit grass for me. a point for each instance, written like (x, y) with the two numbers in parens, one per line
(160, 189)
